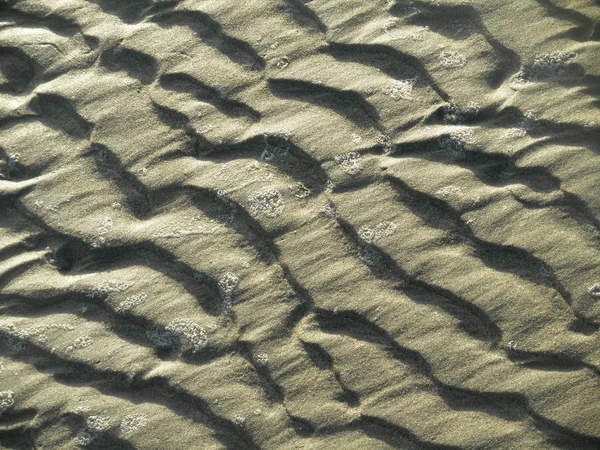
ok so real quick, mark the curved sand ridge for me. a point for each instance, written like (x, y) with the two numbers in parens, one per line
(287, 224)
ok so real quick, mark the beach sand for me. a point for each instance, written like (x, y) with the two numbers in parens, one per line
(296, 224)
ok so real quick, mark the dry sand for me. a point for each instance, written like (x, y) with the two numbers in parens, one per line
(295, 224)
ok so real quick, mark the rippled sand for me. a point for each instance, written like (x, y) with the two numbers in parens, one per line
(292, 224)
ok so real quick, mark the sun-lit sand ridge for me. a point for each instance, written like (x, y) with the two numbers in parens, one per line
(288, 224)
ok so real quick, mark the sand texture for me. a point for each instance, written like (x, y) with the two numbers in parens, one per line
(296, 224)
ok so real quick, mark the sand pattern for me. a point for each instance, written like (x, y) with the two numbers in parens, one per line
(300, 224)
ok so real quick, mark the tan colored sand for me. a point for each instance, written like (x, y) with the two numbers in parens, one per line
(289, 224)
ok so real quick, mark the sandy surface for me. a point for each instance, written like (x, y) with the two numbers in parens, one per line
(288, 224)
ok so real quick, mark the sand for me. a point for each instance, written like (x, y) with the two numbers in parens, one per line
(296, 224)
